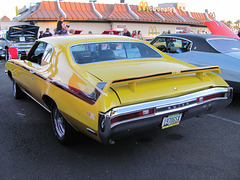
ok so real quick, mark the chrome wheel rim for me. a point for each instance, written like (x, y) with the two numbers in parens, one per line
(59, 124)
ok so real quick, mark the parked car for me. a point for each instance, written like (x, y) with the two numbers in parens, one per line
(109, 87)
(3, 44)
(22, 37)
(113, 32)
(205, 50)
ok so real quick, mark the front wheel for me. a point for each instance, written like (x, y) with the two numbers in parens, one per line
(62, 129)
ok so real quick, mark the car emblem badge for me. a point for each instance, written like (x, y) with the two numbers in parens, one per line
(91, 115)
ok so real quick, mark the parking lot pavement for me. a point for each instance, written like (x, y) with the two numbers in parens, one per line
(206, 147)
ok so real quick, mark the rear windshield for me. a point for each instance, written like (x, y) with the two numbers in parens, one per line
(108, 51)
(225, 45)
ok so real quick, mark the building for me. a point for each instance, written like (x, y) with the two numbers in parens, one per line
(5, 19)
(98, 17)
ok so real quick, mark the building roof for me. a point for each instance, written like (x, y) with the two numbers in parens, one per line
(146, 16)
(5, 19)
(47, 10)
(104, 9)
(199, 16)
(77, 11)
(121, 13)
(187, 16)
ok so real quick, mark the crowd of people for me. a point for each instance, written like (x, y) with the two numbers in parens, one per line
(135, 34)
(63, 29)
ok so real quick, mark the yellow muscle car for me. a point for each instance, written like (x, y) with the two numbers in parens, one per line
(109, 87)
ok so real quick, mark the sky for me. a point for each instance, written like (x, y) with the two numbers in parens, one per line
(229, 10)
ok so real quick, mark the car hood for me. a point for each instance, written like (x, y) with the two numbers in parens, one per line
(142, 80)
(219, 28)
(28, 31)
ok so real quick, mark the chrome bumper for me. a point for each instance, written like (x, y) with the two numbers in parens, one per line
(191, 105)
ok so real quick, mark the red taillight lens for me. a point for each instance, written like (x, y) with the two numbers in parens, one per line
(205, 98)
(132, 116)
(146, 112)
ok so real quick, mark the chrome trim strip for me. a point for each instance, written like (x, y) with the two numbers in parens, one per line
(187, 101)
(92, 131)
(36, 101)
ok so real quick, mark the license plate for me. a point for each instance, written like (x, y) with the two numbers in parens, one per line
(21, 39)
(171, 120)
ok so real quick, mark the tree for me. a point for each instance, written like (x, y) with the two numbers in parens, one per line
(237, 23)
(229, 23)
(223, 21)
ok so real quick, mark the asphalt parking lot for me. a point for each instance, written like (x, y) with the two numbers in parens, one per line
(205, 147)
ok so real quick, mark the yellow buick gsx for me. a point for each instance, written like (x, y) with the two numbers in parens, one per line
(109, 87)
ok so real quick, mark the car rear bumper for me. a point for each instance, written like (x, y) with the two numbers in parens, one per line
(127, 120)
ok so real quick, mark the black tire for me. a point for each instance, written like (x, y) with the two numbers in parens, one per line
(64, 132)
(17, 92)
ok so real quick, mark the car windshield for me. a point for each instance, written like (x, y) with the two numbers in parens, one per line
(225, 45)
(108, 51)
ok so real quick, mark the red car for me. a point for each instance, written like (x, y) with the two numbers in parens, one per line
(115, 32)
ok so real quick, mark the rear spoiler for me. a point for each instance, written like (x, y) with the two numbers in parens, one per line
(105, 86)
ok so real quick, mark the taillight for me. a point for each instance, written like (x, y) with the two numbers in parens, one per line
(146, 112)
(212, 96)
(132, 116)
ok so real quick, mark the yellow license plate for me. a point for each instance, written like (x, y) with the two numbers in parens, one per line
(171, 120)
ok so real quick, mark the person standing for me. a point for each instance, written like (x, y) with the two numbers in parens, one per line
(139, 35)
(47, 33)
(134, 34)
(61, 28)
(40, 34)
(126, 32)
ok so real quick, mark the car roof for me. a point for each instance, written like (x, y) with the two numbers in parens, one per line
(72, 39)
(199, 40)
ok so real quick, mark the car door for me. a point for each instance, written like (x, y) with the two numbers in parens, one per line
(42, 53)
(29, 74)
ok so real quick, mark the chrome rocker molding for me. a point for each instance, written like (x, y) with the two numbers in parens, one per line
(186, 104)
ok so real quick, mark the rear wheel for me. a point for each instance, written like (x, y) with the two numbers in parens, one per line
(62, 129)
(17, 92)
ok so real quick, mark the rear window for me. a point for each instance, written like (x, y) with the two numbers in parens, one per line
(225, 45)
(108, 51)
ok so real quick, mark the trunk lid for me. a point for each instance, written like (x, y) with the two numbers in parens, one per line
(149, 79)
(22, 33)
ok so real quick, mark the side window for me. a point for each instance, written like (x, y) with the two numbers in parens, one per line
(172, 45)
(37, 53)
(47, 55)
(159, 41)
